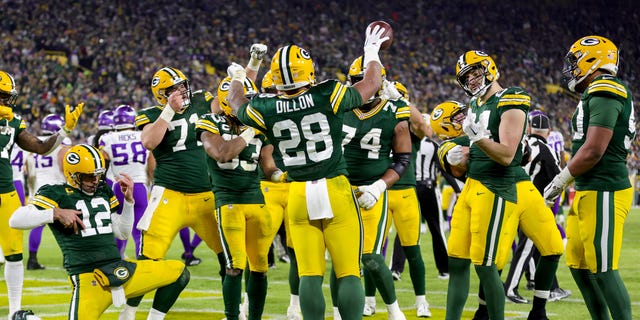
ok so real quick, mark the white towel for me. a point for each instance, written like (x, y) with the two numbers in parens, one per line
(118, 296)
(318, 204)
(154, 201)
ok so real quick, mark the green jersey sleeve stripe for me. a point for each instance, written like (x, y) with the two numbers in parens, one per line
(141, 120)
(206, 125)
(403, 113)
(43, 202)
(336, 96)
(442, 151)
(114, 202)
(257, 117)
(608, 86)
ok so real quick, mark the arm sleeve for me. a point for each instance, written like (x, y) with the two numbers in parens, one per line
(123, 223)
(29, 217)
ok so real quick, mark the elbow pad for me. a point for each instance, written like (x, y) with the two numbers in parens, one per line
(400, 162)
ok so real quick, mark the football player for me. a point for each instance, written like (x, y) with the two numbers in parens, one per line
(535, 220)
(41, 170)
(495, 128)
(246, 227)
(82, 215)
(304, 123)
(181, 195)
(13, 132)
(603, 127)
(404, 203)
(371, 132)
(125, 153)
(276, 195)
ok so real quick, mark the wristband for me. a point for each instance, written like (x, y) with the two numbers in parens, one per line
(167, 113)
(371, 54)
(247, 135)
(254, 64)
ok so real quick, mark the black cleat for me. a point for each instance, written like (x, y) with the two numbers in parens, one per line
(515, 297)
(32, 264)
(190, 260)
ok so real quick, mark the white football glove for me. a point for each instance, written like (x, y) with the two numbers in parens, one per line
(370, 194)
(475, 130)
(389, 91)
(372, 44)
(454, 156)
(258, 50)
(553, 190)
(236, 72)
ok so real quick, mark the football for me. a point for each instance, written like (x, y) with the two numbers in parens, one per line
(388, 32)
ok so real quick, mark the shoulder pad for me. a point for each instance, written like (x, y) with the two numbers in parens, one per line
(608, 87)
(514, 96)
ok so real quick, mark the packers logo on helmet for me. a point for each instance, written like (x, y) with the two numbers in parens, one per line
(472, 60)
(443, 120)
(587, 55)
(292, 68)
(250, 90)
(8, 92)
(163, 82)
(81, 160)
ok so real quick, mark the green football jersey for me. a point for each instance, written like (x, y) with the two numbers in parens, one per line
(92, 247)
(607, 103)
(180, 158)
(9, 131)
(305, 129)
(368, 136)
(496, 177)
(235, 181)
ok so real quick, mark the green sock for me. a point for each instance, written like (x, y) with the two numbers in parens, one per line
(493, 290)
(333, 287)
(311, 298)
(618, 297)
(591, 293)
(350, 297)
(222, 261)
(369, 284)
(294, 280)
(231, 294)
(166, 296)
(416, 269)
(545, 273)
(458, 289)
(257, 292)
(381, 275)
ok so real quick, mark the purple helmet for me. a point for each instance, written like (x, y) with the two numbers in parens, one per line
(105, 120)
(124, 117)
(51, 124)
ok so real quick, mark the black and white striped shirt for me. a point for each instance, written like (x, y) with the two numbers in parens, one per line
(543, 165)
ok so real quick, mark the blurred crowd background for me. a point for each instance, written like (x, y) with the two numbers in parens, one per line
(105, 53)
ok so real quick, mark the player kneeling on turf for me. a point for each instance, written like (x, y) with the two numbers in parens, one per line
(82, 215)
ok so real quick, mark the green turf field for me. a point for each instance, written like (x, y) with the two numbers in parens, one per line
(47, 292)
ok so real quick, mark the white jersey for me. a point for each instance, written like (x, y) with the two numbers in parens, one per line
(556, 143)
(109, 174)
(45, 169)
(18, 158)
(127, 154)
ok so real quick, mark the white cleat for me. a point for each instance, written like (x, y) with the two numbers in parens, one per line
(369, 309)
(294, 313)
(422, 310)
